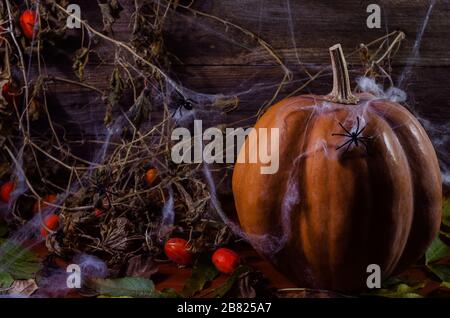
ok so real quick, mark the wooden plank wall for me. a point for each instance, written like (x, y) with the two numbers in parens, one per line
(214, 59)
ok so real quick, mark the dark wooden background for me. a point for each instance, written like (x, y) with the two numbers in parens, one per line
(212, 59)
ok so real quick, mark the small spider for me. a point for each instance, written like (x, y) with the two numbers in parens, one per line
(102, 189)
(183, 103)
(354, 137)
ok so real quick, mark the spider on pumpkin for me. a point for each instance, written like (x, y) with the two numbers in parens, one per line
(354, 137)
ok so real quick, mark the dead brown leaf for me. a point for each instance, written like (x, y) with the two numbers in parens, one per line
(141, 266)
(23, 288)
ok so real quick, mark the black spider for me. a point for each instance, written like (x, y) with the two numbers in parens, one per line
(354, 137)
(183, 103)
(102, 189)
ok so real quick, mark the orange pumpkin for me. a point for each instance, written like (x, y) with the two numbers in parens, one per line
(358, 183)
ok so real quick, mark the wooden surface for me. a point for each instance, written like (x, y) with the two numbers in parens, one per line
(218, 61)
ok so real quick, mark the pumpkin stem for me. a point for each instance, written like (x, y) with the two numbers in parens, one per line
(342, 92)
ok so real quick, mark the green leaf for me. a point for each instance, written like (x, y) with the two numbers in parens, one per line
(446, 285)
(80, 61)
(169, 293)
(446, 212)
(442, 271)
(6, 280)
(127, 286)
(222, 290)
(203, 272)
(3, 228)
(141, 110)
(116, 91)
(18, 261)
(392, 282)
(399, 291)
(436, 251)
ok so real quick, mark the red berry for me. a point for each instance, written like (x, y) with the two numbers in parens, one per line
(225, 260)
(28, 20)
(5, 90)
(40, 206)
(11, 95)
(51, 223)
(177, 250)
(98, 212)
(5, 191)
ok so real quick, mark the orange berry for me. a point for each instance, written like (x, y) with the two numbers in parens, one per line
(51, 223)
(41, 205)
(28, 20)
(5, 191)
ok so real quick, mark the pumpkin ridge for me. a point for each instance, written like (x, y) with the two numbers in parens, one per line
(405, 230)
(299, 265)
(296, 170)
(423, 229)
(311, 231)
(339, 268)
(277, 116)
(309, 125)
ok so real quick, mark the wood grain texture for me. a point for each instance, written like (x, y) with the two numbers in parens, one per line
(220, 60)
(212, 58)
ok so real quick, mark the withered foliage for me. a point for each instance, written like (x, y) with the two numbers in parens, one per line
(147, 36)
(106, 207)
(110, 10)
(117, 88)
